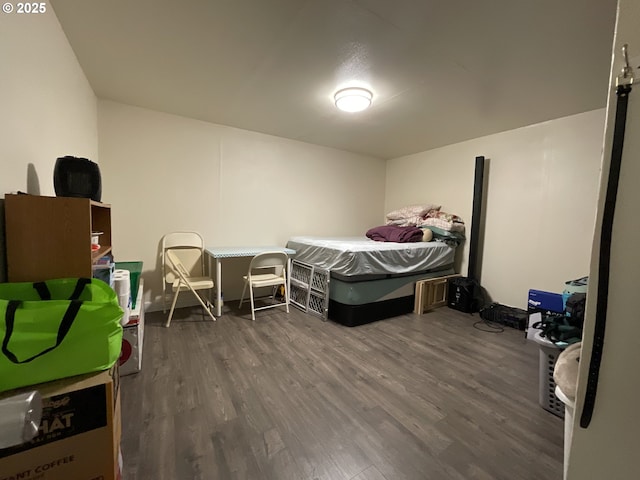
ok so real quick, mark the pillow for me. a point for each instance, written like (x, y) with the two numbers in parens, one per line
(411, 211)
(427, 235)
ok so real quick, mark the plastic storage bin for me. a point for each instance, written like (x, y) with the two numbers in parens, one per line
(549, 353)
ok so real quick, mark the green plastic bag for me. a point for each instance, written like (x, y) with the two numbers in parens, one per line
(57, 329)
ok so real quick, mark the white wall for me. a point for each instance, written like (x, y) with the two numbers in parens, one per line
(147, 158)
(47, 106)
(609, 447)
(542, 184)
(163, 173)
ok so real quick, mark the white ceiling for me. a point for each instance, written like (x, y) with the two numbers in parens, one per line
(441, 71)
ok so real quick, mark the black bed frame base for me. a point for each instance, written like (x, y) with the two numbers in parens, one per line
(354, 315)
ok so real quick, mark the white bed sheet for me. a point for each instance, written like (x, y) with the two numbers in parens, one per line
(351, 256)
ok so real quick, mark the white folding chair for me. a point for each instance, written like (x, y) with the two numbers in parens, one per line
(268, 269)
(192, 255)
(184, 282)
(183, 266)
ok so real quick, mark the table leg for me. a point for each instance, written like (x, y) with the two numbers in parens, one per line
(209, 274)
(288, 296)
(218, 287)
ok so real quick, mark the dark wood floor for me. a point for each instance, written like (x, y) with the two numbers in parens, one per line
(291, 397)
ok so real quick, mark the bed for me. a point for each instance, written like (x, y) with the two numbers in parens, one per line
(372, 280)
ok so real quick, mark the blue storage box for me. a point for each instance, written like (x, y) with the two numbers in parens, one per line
(545, 302)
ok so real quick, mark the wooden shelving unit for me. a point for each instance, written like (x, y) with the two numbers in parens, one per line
(432, 293)
(50, 237)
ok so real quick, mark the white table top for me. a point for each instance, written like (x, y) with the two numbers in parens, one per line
(231, 252)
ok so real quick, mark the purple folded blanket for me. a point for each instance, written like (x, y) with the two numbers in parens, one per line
(394, 233)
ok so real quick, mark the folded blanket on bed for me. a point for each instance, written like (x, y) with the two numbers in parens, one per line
(411, 211)
(405, 222)
(394, 233)
(443, 224)
(425, 216)
(443, 220)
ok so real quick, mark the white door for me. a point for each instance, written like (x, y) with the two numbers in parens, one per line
(610, 446)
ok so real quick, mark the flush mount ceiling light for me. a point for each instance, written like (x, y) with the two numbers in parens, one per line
(353, 99)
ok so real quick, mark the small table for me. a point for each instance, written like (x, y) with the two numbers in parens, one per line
(218, 253)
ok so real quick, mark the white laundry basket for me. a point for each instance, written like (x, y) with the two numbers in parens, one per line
(549, 353)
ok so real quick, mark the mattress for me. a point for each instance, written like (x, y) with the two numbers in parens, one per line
(358, 258)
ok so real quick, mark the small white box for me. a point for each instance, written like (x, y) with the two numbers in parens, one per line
(133, 338)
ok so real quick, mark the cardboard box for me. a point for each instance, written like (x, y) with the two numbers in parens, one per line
(539, 305)
(79, 436)
(133, 338)
(544, 302)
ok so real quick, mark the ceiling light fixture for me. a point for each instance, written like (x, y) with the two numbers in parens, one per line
(353, 99)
